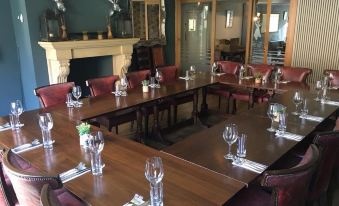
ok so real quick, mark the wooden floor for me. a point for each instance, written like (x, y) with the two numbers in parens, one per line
(215, 116)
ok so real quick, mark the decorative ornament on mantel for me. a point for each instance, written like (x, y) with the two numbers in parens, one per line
(62, 9)
(115, 9)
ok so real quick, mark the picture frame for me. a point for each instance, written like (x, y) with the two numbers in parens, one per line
(229, 19)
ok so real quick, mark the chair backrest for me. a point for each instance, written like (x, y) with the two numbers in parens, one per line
(7, 194)
(48, 197)
(264, 69)
(53, 94)
(102, 85)
(135, 78)
(290, 186)
(328, 144)
(335, 76)
(26, 184)
(169, 73)
(229, 67)
(158, 56)
(295, 74)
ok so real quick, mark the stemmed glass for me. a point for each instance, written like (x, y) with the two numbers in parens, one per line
(46, 124)
(330, 79)
(16, 110)
(230, 135)
(297, 100)
(76, 91)
(192, 71)
(154, 173)
(123, 84)
(272, 113)
(158, 77)
(279, 73)
(318, 87)
(96, 145)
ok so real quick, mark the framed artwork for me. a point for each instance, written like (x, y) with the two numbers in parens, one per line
(229, 18)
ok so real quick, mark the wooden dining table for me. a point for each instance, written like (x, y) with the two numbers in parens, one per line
(196, 172)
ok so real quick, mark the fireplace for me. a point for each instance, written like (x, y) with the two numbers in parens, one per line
(59, 54)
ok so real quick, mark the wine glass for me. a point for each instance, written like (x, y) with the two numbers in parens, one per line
(230, 135)
(318, 87)
(192, 71)
(330, 79)
(272, 113)
(297, 100)
(154, 173)
(158, 76)
(76, 91)
(214, 68)
(16, 110)
(124, 85)
(279, 74)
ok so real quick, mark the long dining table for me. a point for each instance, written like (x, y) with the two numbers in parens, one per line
(196, 172)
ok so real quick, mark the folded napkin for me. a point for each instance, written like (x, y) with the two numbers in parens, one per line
(311, 118)
(284, 82)
(290, 136)
(184, 78)
(248, 77)
(154, 85)
(250, 165)
(27, 147)
(79, 170)
(137, 200)
(329, 102)
(5, 127)
(334, 88)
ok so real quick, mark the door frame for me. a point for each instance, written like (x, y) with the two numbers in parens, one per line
(178, 28)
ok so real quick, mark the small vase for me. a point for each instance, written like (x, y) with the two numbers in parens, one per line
(83, 140)
(258, 81)
(144, 88)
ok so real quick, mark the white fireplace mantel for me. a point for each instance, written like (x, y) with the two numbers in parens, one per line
(59, 54)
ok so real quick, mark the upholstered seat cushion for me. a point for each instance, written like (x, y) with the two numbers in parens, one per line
(66, 198)
(252, 196)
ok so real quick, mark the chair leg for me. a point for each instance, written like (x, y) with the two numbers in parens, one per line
(169, 116)
(228, 105)
(234, 106)
(219, 102)
(146, 125)
(175, 110)
(161, 115)
(116, 129)
(132, 125)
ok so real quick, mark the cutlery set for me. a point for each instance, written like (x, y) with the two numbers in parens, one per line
(5, 127)
(290, 136)
(311, 118)
(250, 165)
(79, 170)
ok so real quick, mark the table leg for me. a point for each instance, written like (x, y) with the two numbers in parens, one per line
(139, 127)
(251, 103)
(156, 131)
(204, 105)
(195, 107)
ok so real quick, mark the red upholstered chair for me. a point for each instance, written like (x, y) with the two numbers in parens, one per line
(169, 73)
(135, 78)
(295, 74)
(27, 185)
(328, 144)
(227, 67)
(287, 187)
(258, 95)
(335, 76)
(53, 94)
(105, 85)
(158, 56)
(49, 197)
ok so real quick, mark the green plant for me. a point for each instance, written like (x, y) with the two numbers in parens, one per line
(144, 82)
(83, 128)
(257, 75)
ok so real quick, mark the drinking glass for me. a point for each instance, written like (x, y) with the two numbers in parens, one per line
(304, 110)
(69, 100)
(96, 145)
(158, 76)
(13, 120)
(272, 113)
(297, 100)
(241, 148)
(46, 124)
(16, 110)
(76, 91)
(124, 85)
(330, 79)
(279, 74)
(192, 71)
(230, 135)
(282, 123)
(154, 173)
(318, 87)
(214, 68)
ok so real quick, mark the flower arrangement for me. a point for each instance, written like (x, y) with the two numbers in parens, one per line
(257, 75)
(84, 128)
(144, 82)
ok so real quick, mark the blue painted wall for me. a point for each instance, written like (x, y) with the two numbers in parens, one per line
(9, 67)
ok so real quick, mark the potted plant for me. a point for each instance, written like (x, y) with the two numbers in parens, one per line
(257, 78)
(144, 85)
(84, 130)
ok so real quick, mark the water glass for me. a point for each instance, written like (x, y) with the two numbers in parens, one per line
(192, 71)
(272, 113)
(69, 100)
(230, 135)
(158, 76)
(282, 123)
(13, 120)
(17, 109)
(152, 81)
(241, 148)
(76, 91)
(187, 74)
(123, 85)
(318, 87)
(96, 145)
(304, 110)
(46, 124)
(154, 173)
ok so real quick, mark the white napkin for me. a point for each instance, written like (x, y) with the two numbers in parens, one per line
(219, 74)
(312, 118)
(5, 127)
(331, 103)
(248, 77)
(284, 82)
(290, 136)
(184, 78)
(136, 200)
(250, 165)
